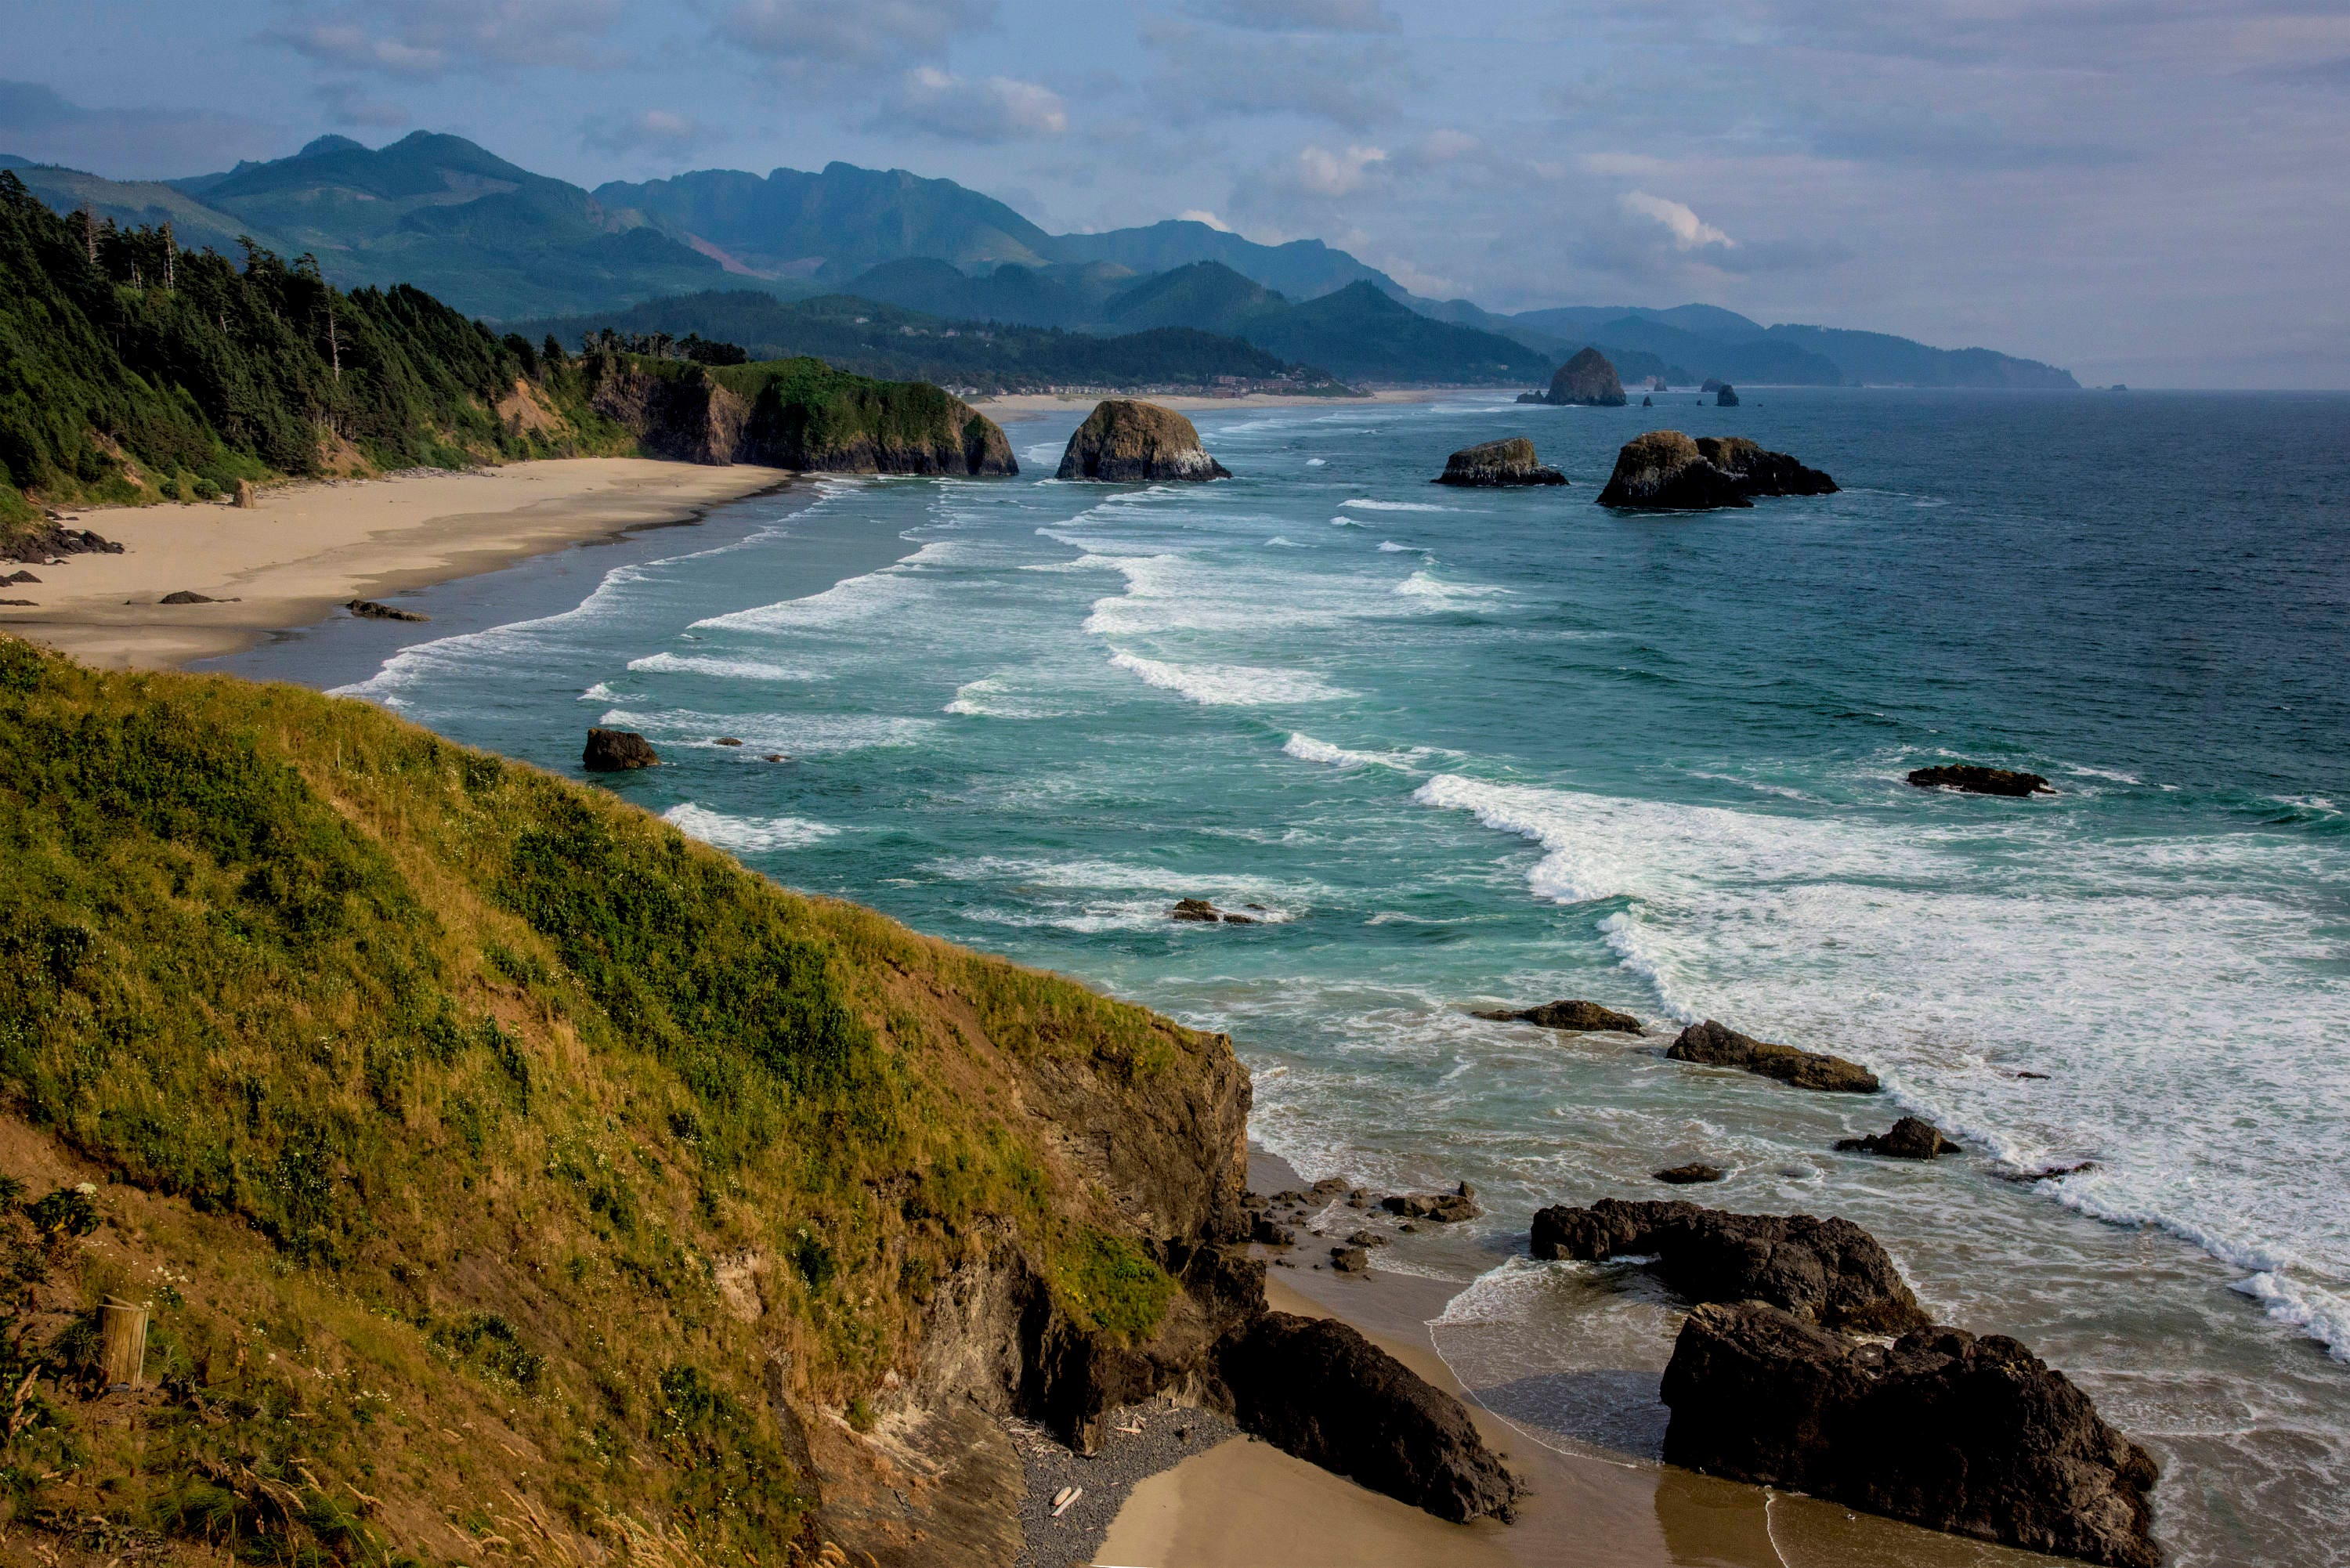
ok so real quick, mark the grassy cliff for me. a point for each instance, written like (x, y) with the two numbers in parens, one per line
(504, 1172)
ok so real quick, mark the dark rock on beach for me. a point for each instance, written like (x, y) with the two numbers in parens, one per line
(1497, 463)
(1973, 1436)
(52, 540)
(1584, 1016)
(370, 609)
(1829, 1272)
(1444, 1208)
(1975, 779)
(1725, 397)
(13, 578)
(1316, 1388)
(1350, 1260)
(1204, 913)
(1714, 1045)
(615, 750)
(1589, 378)
(1910, 1139)
(187, 596)
(1125, 440)
(1688, 1175)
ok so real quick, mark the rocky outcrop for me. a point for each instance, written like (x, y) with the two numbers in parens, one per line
(1124, 440)
(1974, 1436)
(370, 609)
(1202, 912)
(1761, 472)
(1497, 463)
(1829, 1272)
(1725, 396)
(1316, 1388)
(1975, 779)
(1688, 1175)
(1590, 380)
(1664, 471)
(617, 751)
(1586, 1017)
(1714, 1045)
(806, 417)
(1444, 1208)
(53, 541)
(1908, 1138)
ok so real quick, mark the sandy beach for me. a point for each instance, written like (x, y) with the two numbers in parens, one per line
(307, 548)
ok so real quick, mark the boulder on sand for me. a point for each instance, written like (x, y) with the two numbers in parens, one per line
(1973, 1436)
(1124, 440)
(1588, 379)
(1316, 1388)
(1583, 1016)
(1828, 1272)
(1510, 462)
(1444, 1208)
(1714, 1045)
(1975, 779)
(615, 750)
(1910, 1139)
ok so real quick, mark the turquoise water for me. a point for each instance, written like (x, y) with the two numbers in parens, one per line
(1469, 748)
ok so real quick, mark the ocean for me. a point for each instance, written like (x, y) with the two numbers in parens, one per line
(1457, 749)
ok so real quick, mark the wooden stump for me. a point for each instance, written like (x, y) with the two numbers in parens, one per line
(122, 1336)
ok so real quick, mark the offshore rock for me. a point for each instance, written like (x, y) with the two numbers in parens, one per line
(1316, 1388)
(1761, 472)
(1584, 1016)
(1910, 1139)
(1725, 396)
(1829, 1272)
(1205, 913)
(615, 750)
(1713, 1045)
(1665, 471)
(1510, 462)
(1975, 779)
(1688, 1175)
(1124, 440)
(370, 609)
(1444, 1208)
(1588, 379)
(1973, 1436)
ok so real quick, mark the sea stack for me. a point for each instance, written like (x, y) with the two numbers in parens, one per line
(1588, 380)
(1127, 441)
(1727, 397)
(1974, 778)
(1666, 471)
(1510, 462)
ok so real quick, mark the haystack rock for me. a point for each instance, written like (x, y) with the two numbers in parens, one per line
(1499, 463)
(1726, 398)
(1126, 442)
(1590, 380)
(1975, 1435)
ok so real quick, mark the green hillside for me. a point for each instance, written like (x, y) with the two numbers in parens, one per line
(1206, 295)
(131, 371)
(1365, 334)
(507, 1176)
(880, 340)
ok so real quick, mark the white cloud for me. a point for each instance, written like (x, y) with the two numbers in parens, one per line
(428, 38)
(1326, 173)
(1690, 232)
(1301, 16)
(997, 109)
(1202, 215)
(791, 33)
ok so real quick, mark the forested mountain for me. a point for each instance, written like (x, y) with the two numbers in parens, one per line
(875, 339)
(492, 238)
(132, 369)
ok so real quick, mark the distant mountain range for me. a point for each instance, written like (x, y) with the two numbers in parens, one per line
(494, 239)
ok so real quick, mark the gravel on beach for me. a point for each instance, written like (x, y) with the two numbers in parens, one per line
(1169, 1434)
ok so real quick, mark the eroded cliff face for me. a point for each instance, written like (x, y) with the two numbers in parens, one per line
(832, 424)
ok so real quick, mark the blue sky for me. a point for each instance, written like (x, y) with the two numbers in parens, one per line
(2149, 191)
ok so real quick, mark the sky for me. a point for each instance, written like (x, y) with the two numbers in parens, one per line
(2153, 192)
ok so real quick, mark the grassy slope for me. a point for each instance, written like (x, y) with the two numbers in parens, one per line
(480, 1142)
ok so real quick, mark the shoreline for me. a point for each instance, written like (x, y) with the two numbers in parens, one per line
(307, 549)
